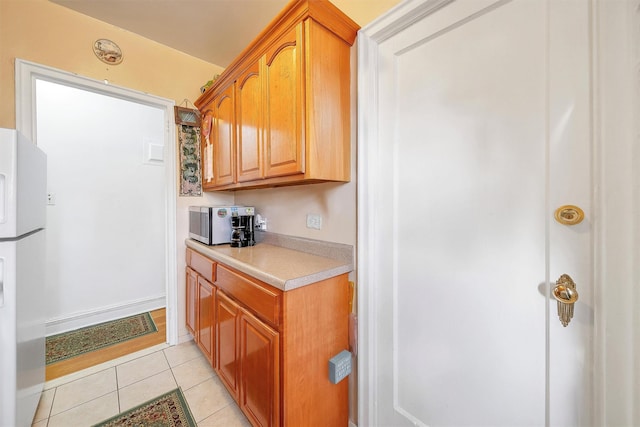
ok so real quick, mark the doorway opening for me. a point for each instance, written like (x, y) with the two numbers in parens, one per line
(145, 139)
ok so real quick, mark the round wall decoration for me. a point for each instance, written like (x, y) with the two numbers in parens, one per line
(107, 51)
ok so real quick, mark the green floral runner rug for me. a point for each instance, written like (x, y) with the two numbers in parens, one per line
(74, 343)
(168, 410)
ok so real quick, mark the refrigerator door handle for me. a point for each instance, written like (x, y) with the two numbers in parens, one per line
(1, 282)
(3, 198)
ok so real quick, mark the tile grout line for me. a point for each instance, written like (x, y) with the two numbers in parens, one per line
(146, 378)
(170, 368)
(193, 386)
(118, 390)
(173, 373)
(79, 404)
(48, 417)
(55, 392)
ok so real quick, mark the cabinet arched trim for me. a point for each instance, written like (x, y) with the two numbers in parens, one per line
(247, 77)
(284, 46)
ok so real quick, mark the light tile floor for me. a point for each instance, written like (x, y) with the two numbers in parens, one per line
(101, 392)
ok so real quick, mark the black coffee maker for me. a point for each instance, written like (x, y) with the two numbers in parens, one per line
(242, 226)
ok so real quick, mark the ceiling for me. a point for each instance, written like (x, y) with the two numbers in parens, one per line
(215, 31)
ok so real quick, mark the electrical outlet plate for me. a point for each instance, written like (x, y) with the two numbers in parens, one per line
(261, 223)
(339, 366)
(314, 221)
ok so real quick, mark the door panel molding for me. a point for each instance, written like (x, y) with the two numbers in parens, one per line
(372, 241)
(416, 42)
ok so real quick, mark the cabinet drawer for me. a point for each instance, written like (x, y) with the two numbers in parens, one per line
(203, 265)
(264, 301)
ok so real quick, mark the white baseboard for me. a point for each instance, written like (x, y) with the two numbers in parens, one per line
(103, 314)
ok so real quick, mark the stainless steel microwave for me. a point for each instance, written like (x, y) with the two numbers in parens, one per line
(210, 225)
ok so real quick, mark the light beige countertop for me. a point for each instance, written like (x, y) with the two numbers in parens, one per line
(280, 266)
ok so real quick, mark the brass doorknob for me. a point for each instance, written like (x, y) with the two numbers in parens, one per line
(566, 294)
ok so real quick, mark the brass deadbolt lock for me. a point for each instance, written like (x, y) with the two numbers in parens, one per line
(569, 215)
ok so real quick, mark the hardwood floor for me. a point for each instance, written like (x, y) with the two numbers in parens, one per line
(65, 367)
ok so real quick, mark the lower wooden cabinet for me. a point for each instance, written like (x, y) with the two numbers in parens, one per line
(228, 370)
(271, 348)
(259, 371)
(192, 301)
(248, 355)
(200, 304)
(206, 327)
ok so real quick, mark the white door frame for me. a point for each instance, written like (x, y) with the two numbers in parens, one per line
(616, 130)
(617, 194)
(26, 74)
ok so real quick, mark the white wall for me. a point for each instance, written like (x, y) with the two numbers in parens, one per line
(106, 232)
(286, 210)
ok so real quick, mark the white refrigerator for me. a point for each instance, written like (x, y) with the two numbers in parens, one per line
(23, 198)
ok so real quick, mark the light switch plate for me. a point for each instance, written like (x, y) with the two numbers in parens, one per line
(156, 152)
(314, 221)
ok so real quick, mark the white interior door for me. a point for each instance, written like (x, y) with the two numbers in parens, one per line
(474, 126)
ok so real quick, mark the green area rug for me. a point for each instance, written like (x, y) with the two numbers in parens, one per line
(168, 410)
(74, 343)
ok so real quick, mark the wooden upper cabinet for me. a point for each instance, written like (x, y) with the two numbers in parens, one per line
(206, 145)
(291, 108)
(328, 104)
(249, 120)
(284, 136)
(224, 137)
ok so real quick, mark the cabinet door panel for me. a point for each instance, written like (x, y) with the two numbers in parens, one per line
(206, 149)
(205, 318)
(227, 346)
(224, 139)
(191, 301)
(249, 107)
(260, 371)
(284, 138)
